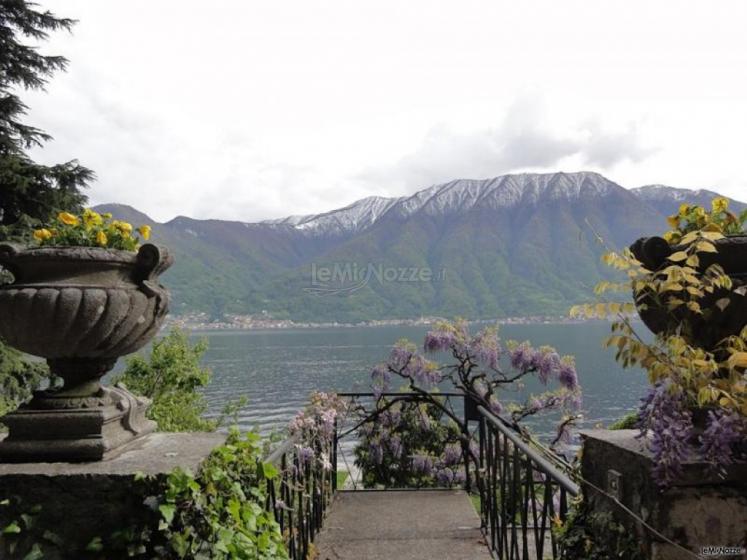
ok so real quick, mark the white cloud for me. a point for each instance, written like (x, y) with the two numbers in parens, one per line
(256, 110)
(524, 140)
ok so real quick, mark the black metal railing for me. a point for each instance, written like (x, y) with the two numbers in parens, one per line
(522, 494)
(300, 495)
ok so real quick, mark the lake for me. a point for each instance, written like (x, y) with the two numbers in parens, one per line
(278, 369)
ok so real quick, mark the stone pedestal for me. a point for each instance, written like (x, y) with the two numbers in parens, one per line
(697, 511)
(77, 502)
(49, 429)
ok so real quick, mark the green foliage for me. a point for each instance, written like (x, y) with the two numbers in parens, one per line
(221, 512)
(18, 378)
(32, 192)
(627, 422)
(171, 377)
(688, 295)
(596, 536)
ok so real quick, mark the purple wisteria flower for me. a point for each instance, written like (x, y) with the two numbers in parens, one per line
(521, 357)
(423, 372)
(305, 454)
(474, 448)
(664, 414)
(452, 455)
(567, 375)
(450, 477)
(724, 430)
(486, 349)
(400, 356)
(422, 464)
(377, 451)
(439, 340)
(380, 379)
(547, 364)
(395, 446)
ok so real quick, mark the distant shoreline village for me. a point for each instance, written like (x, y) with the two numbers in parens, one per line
(202, 322)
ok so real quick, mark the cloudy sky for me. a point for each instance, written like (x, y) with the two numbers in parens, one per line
(253, 109)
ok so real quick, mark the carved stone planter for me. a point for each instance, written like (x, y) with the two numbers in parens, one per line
(706, 330)
(81, 308)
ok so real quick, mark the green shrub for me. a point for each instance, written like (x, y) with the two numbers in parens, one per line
(596, 536)
(172, 377)
(627, 422)
(18, 378)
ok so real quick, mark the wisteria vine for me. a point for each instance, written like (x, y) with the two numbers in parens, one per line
(481, 366)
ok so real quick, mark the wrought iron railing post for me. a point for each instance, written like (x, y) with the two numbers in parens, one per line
(514, 476)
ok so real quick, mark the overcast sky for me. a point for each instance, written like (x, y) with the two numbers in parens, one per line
(250, 110)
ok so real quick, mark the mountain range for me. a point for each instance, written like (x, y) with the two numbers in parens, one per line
(515, 245)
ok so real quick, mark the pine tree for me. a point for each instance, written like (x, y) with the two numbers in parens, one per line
(30, 193)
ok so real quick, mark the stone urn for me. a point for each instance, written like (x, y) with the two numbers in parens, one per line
(707, 330)
(81, 308)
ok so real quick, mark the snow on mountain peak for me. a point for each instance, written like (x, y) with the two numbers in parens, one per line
(455, 196)
(663, 192)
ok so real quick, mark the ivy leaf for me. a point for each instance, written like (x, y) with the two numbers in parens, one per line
(34, 554)
(234, 509)
(167, 511)
(270, 471)
(95, 545)
(12, 529)
(53, 538)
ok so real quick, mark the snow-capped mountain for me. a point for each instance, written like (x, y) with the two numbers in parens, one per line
(522, 244)
(355, 217)
(666, 199)
(454, 197)
(663, 192)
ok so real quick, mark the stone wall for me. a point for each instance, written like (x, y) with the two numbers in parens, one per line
(699, 510)
(77, 502)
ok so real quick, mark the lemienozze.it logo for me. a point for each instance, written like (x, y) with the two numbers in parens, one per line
(716, 551)
(347, 278)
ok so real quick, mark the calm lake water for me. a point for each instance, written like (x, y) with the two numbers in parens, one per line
(277, 369)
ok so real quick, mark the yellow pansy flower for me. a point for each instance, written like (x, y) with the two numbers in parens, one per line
(42, 234)
(123, 227)
(673, 221)
(91, 218)
(101, 239)
(68, 219)
(684, 209)
(107, 215)
(719, 205)
(700, 212)
(144, 231)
